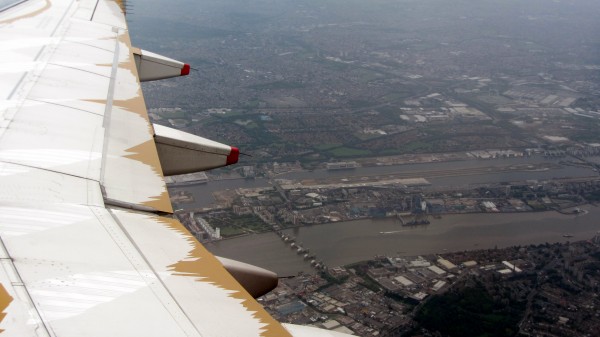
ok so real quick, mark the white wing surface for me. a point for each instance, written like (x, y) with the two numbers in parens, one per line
(87, 244)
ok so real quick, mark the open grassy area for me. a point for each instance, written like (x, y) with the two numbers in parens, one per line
(343, 152)
(233, 225)
(417, 146)
(394, 96)
(328, 146)
(173, 114)
(228, 231)
(250, 223)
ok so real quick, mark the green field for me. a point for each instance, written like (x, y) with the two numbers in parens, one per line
(328, 146)
(178, 114)
(342, 152)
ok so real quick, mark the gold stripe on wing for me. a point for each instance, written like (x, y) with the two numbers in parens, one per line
(136, 104)
(146, 153)
(121, 4)
(201, 264)
(5, 300)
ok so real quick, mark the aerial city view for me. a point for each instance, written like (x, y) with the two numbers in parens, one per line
(408, 167)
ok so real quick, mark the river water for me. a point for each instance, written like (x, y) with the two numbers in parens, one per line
(352, 241)
(346, 242)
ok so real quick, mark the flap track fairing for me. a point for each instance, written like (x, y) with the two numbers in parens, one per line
(181, 152)
(152, 66)
(257, 281)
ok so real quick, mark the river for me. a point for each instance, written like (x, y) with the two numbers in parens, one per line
(352, 241)
(346, 242)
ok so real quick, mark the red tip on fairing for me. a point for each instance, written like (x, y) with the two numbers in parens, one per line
(185, 70)
(233, 156)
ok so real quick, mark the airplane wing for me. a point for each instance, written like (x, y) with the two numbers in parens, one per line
(88, 244)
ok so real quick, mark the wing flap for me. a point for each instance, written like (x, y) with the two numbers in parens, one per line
(97, 276)
(97, 36)
(71, 87)
(56, 138)
(27, 185)
(196, 279)
(71, 55)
